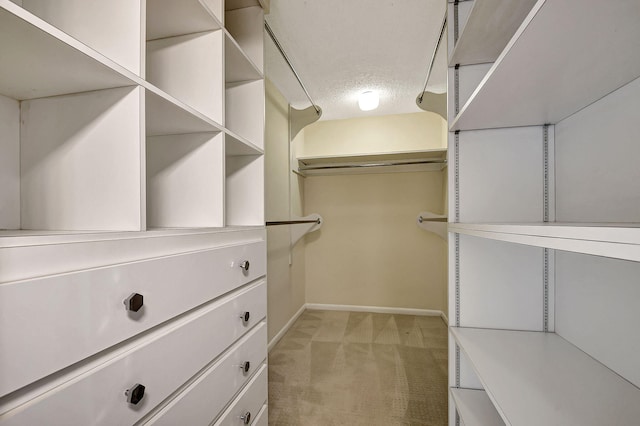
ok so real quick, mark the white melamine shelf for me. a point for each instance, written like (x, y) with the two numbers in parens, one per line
(238, 67)
(475, 408)
(490, 26)
(166, 115)
(168, 18)
(619, 241)
(39, 60)
(544, 75)
(536, 378)
(237, 145)
(25, 238)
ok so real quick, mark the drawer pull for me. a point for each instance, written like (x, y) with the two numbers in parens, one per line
(135, 394)
(246, 418)
(244, 265)
(245, 317)
(245, 366)
(134, 302)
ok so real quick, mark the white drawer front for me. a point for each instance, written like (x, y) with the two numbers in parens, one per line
(162, 361)
(262, 419)
(249, 402)
(50, 323)
(204, 399)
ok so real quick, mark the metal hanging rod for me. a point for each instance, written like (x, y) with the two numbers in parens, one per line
(432, 219)
(433, 57)
(286, 59)
(356, 165)
(293, 222)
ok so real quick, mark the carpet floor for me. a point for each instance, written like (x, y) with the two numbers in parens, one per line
(357, 368)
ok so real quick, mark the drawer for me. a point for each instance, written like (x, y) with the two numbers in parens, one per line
(248, 403)
(207, 396)
(50, 323)
(262, 419)
(162, 361)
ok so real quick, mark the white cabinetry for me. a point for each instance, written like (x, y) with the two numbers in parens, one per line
(132, 237)
(544, 252)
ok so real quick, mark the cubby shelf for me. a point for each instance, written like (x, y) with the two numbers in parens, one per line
(39, 60)
(168, 18)
(167, 115)
(475, 408)
(619, 241)
(238, 66)
(490, 26)
(558, 86)
(538, 378)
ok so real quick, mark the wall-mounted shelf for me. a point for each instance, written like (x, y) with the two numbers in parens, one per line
(558, 87)
(541, 379)
(490, 26)
(410, 161)
(620, 241)
(475, 407)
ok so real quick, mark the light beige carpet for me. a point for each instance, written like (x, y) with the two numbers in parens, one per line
(355, 368)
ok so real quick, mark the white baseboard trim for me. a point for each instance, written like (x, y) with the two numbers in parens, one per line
(286, 328)
(444, 318)
(375, 309)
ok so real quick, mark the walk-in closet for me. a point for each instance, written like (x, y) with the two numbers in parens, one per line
(319, 212)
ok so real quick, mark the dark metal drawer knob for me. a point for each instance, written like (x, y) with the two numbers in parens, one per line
(245, 316)
(246, 418)
(135, 394)
(244, 265)
(245, 366)
(134, 302)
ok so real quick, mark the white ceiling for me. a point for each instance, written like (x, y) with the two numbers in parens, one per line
(341, 48)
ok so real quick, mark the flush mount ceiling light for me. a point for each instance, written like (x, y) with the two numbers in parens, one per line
(368, 100)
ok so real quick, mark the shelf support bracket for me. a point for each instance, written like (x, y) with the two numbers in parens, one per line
(301, 118)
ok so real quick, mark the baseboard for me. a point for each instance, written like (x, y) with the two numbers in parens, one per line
(375, 309)
(286, 328)
(444, 318)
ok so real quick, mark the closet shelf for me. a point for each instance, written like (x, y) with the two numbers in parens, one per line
(619, 241)
(563, 79)
(475, 408)
(239, 4)
(537, 378)
(167, 115)
(428, 160)
(39, 60)
(238, 66)
(168, 18)
(237, 145)
(490, 26)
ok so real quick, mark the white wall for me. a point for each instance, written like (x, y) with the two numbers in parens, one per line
(370, 251)
(285, 287)
(380, 134)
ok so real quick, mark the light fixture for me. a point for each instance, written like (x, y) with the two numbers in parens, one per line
(368, 100)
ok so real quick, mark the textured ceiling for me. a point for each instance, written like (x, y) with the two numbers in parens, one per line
(341, 48)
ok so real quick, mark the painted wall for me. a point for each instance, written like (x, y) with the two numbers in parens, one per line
(370, 251)
(285, 287)
(379, 134)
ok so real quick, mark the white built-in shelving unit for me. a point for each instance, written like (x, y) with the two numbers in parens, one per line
(132, 232)
(122, 119)
(544, 97)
